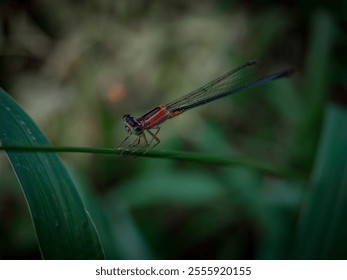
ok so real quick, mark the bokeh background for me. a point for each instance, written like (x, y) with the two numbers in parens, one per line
(77, 66)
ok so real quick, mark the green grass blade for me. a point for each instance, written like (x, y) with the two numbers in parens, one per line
(318, 69)
(63, 226)
(322, 229)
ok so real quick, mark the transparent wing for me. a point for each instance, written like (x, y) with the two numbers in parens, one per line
(243, 77)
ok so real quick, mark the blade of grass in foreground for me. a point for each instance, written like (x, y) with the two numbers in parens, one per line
(322, 229)
(63, 226)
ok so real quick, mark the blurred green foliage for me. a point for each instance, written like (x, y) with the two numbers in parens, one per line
(77, 67)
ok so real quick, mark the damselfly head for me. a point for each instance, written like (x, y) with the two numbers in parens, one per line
(132, 126)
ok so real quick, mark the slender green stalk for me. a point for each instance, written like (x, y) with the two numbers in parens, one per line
(176, 155)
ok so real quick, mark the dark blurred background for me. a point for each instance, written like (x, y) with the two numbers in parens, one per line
(77, 66)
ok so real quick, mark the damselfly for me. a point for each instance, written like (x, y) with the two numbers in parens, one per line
(244, 77)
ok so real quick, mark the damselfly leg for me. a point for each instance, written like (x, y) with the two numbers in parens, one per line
(141, 141)
(154, 137)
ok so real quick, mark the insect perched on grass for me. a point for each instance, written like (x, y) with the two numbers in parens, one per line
(236, 80)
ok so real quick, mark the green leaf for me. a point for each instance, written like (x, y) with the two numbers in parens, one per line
(322, 229)
(63, 226)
